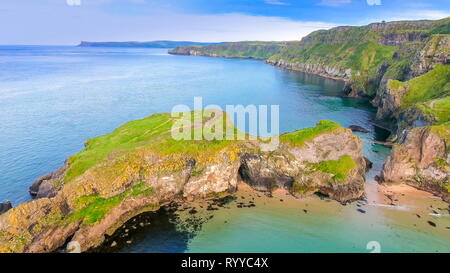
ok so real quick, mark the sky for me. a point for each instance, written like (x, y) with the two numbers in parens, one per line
(67, 22)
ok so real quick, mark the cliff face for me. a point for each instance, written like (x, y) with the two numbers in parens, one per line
(140, 167)
(421, 101)
(422, 161)
(330, 163)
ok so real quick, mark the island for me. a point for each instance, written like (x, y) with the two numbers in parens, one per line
(139, 167)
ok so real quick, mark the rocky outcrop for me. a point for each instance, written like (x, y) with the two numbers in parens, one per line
(298, 168)
(422, 161)
(94, 200)
(5, 206)
(48, 185)
(333, 72)
(436, 51)
(357, 128)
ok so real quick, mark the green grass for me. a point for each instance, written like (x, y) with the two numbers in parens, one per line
(438, 109)
(433, 85)
(153, 132)
(94, 208)
(443, 130)
(124, 137)
(299, 137)
(338, 168)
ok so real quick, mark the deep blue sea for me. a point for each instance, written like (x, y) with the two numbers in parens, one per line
(52, 99)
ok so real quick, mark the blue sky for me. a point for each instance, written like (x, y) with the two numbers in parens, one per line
(63, 22)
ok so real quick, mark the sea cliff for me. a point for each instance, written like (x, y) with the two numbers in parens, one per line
(403, 67)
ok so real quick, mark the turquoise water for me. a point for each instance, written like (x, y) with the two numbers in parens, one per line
(52, 99)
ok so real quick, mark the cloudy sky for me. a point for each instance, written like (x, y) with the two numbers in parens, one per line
(65, 22)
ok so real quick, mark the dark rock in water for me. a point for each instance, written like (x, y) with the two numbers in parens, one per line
(447, 227)
(46, 190)
(369, 164)
(356, 128)
(34, 189)
(44, 186)
(361, 210)
(305, 211)
(431, 223)
(418, 216)
(5, 206)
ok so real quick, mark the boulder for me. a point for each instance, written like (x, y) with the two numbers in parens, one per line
(5, 206)
(356, 128)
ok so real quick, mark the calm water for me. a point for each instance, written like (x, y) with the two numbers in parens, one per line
(54, 98)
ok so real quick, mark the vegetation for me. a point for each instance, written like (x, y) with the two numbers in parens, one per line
(366, 50)
(338, 168)
(429, 93)
(432, 85)
(257, 50)
(299, 137)
(153, 132)
(93, 208)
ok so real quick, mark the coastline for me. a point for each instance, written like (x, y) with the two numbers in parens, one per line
(203, 217)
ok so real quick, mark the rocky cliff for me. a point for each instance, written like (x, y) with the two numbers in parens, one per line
(421, 101)
(422, 161)
(141, 167)
(366, 57)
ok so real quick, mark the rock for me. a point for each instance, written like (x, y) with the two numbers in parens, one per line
(5, 206)
(369, 164)
(431, 223)
(292, 167)
(356, 128)
(45, 186)
(422, 161)
(113, 244)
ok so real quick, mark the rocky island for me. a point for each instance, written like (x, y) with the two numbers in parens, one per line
(139, 167)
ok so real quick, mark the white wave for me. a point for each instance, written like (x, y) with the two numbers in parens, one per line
(439, 215)
(391, 206)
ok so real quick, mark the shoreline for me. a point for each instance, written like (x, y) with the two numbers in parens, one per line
(194, 217)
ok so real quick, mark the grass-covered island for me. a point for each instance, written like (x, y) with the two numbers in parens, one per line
(139, 167)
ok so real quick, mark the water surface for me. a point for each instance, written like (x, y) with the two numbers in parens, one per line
(52, 99)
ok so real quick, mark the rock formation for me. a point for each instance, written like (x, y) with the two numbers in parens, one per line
(140, 167)
(422, 161)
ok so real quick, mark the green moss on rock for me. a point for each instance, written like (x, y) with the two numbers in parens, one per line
(338, 168)
(299, 137)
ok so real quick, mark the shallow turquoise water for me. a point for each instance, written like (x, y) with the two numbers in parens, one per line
(52, 99)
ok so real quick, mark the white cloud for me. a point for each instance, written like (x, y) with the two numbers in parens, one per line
(334, 3)
(66, 25)
(276, 2)
(419, 14)
(374, 2)
(73, 2)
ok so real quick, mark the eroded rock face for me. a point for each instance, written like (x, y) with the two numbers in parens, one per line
(333, 72)
(294, 168)
(423, 161)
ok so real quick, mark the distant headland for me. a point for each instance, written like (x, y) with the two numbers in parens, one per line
(149, 44)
